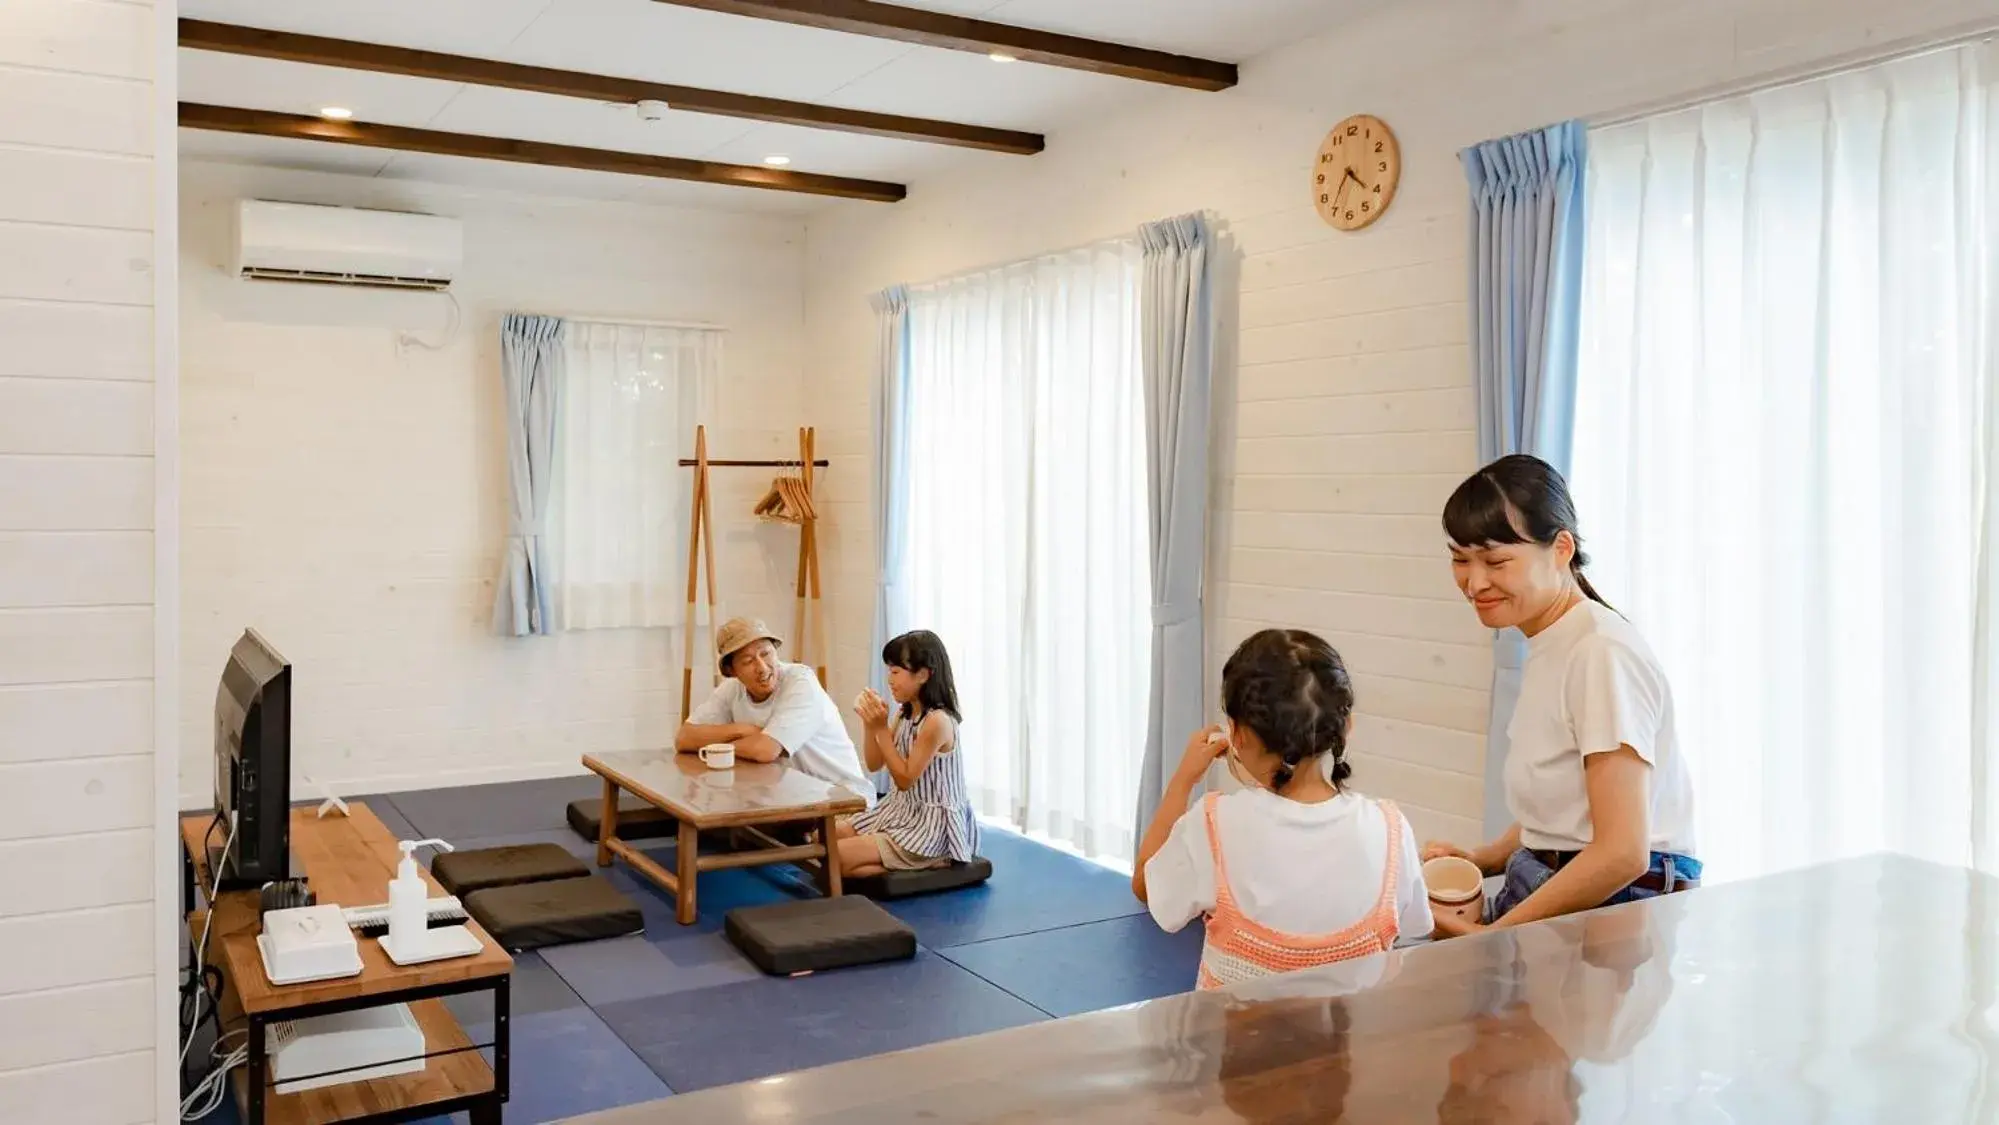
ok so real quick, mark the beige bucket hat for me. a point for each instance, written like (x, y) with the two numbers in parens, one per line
(739, 633)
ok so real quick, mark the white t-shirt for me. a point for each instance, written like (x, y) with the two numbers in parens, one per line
(798, 716)
(1295, 867)
(1591, 685)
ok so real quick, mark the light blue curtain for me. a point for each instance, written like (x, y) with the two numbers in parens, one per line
(1526, 298)
(1177, 324)
(891, 498)
(530, 364)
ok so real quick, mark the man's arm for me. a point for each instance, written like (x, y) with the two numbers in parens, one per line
(756, 746)
(711, 723)
(693, 736)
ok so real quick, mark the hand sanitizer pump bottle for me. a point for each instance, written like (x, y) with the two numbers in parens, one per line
(409, 899)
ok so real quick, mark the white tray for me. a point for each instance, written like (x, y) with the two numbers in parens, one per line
(264, 952)
(440, 944)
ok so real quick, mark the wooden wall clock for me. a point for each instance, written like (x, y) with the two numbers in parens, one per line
(1354, 179)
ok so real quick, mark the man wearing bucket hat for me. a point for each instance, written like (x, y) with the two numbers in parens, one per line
(767, 709)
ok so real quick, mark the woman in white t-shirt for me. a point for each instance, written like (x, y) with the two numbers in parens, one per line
(1599, 790)
(1294, 871)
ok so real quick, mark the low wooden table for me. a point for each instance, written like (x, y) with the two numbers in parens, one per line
(744, 797)
(1863, 990)
(349, 860)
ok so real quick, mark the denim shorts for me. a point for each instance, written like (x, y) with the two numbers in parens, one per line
(1525, 873)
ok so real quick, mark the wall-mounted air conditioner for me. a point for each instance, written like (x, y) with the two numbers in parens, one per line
(346, 245)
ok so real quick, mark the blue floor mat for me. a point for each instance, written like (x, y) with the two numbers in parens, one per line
(633, 968)
(478, 811)
(535, 990)
(773, 1025)
(569, 1062)
(1033, 888)
(716, 893)
(1090, 967)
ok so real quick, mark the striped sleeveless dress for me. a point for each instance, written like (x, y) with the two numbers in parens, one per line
(933, 817)
(1239, 948)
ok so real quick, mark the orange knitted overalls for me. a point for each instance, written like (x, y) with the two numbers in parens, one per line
(1239, 948)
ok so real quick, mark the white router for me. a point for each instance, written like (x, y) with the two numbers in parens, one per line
(344, 1047)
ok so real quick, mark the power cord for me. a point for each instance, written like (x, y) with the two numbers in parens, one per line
(201, 947)
(207, 1096)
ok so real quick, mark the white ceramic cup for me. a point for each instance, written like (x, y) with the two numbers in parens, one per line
(1456, 886)
(718, 756)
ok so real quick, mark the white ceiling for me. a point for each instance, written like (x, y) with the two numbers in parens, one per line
(659, 42)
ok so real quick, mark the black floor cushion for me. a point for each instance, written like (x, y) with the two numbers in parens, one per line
(532, 915)
(637, 820)
(462, 873)
(819, 933)
(904, 884)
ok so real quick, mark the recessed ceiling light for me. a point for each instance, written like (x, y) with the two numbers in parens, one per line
(1001, 56)
(777, 161)
(335, 112)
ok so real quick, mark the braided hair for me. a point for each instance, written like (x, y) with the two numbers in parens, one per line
(1292, 689)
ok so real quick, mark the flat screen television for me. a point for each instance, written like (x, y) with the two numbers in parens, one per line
(251, 844)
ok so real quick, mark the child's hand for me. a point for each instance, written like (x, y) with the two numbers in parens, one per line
(871, 708)
(1203, 748)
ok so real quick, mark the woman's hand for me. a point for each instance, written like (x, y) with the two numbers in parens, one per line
(1203, 747)
(872, 709)
(1437, 849)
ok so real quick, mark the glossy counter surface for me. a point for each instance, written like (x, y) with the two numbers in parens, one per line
(1857, 991)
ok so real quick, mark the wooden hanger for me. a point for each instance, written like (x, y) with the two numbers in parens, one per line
(788, 500)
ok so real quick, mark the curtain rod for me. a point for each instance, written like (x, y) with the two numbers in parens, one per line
(623, 322)
(993, 267)
(1798, 76)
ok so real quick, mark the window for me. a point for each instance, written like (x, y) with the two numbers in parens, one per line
(1780, 450)
(630, 399)
(1027, 535)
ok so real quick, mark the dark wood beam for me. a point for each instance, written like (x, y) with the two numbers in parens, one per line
(963, 33)
(264, 123)
(231, 39)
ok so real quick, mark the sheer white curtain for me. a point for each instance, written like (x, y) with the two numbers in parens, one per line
(1027, 534)
(630, 399)
(1779, 447)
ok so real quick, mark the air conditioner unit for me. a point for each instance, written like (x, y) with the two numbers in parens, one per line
(346, 245)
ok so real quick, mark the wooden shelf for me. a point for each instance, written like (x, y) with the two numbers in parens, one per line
(348, 860)
(441, 1079)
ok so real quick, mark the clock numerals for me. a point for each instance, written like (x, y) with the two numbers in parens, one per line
(1352, 206)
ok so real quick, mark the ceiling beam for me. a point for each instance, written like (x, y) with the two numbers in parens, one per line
(231, 39)
(264, 123)
(963, 33)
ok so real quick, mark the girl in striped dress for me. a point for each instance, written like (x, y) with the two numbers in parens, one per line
(927, 820)
(1294, 870)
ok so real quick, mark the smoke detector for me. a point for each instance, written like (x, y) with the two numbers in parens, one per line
(651, 109)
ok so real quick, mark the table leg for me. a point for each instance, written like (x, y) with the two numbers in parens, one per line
(690, 843)
(254, 1112)
(486, 1113)
(829, 877)
(607, 823)
(503, 1038)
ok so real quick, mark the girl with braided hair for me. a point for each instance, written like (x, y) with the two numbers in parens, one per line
(1294, 870)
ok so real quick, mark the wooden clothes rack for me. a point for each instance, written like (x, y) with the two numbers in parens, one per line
(701, 548)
